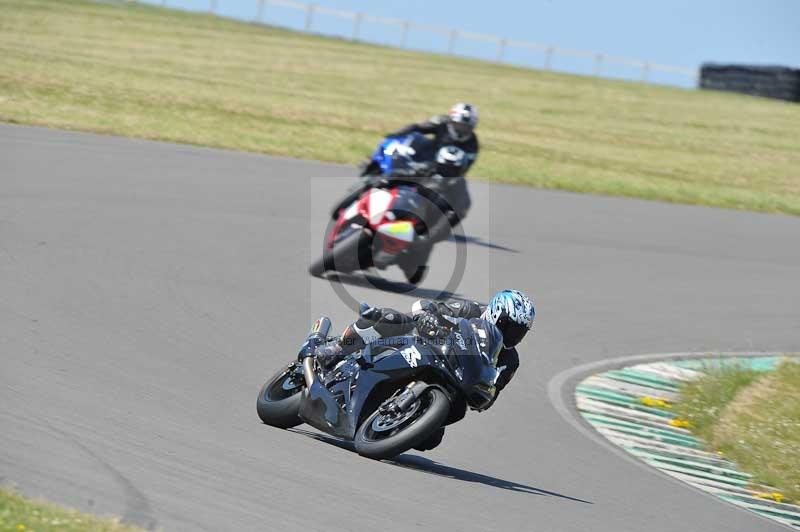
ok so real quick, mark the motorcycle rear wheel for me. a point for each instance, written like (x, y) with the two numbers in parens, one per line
(378, 438)
(278, 402)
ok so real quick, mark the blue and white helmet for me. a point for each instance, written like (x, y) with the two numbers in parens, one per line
(512, 312)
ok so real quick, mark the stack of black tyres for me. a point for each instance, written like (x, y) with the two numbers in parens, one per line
(777, 82)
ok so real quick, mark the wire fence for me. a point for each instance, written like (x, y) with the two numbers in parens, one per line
(455, 39)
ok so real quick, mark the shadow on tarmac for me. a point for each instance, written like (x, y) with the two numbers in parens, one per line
(480, 242)
(425, 465)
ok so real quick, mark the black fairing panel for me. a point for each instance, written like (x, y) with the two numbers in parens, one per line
(408, 201)
(321, 410)
(399, 360)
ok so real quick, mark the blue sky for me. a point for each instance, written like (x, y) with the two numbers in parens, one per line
(681, 33)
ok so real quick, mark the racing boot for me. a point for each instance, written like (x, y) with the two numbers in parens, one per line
(334, 352)
(440, 230)
(415, 262)
(329, 355)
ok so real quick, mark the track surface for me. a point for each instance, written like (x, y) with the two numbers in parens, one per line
(147, 290)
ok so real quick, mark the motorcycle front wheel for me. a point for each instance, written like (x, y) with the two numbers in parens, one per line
(346, 256)
(387, 434)
(278, 402)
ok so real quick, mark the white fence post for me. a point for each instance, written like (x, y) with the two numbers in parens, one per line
(600, 60)
(451, 45)
(404, 36)
(598, 64)
(548, 57)
(501, 50)
(309, 17)
(357, 25)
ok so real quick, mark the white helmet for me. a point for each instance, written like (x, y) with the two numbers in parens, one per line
(513, 313)
(463, 121)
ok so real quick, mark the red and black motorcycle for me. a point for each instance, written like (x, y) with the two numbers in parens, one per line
(388, 219)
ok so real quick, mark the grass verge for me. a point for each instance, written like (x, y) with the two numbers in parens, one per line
(752, 418)
(20, 514)
(143, 71)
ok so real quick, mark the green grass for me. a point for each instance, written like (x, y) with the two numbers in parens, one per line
(146, 72)
(753, 419)
(20, 514)
(702, 401)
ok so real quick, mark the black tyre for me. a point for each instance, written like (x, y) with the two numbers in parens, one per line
(321, 265)
(345, 257)
(279, 400)
(432, 442)
(384, 435)
(417, 276)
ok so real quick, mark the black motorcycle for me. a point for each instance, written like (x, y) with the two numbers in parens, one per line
(393, 395)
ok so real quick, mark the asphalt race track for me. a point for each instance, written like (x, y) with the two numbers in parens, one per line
(147, 290)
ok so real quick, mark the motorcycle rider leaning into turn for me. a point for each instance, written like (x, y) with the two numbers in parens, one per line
(455, 129)
(511, 311)
(456, 148)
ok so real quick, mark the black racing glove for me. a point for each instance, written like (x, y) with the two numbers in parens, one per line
(431, 324)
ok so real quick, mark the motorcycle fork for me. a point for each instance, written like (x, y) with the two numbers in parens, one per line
(406, 398)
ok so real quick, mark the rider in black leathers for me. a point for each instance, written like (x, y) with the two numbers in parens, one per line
(456, 148)
(455, 129)
(436, 319)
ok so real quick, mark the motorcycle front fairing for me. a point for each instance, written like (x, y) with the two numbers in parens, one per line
(338, 405)
(402, 155)
(473, 356)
